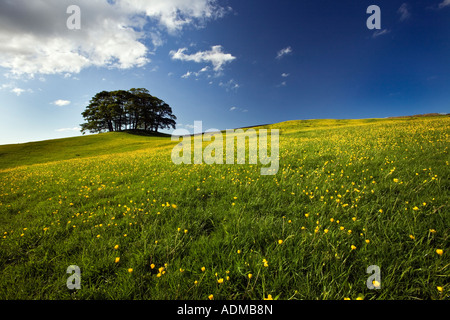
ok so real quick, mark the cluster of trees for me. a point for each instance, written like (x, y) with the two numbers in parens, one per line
(127, 110)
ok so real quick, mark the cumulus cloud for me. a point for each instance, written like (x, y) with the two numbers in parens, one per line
(34, 38)
(174, 15)
(283, 52)
(61, 103)
(215, 56)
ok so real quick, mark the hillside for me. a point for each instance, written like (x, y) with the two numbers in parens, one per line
(348, 194)
(14, 155)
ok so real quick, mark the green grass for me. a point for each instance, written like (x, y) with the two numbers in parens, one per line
(379, 185)
(14, 155)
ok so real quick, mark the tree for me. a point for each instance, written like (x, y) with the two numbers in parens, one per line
(121, 110)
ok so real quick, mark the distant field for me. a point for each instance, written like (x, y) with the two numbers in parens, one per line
(348, 194)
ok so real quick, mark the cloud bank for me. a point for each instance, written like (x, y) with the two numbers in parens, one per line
(35, 39)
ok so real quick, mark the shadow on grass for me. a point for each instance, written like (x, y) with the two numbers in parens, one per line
(147, 133)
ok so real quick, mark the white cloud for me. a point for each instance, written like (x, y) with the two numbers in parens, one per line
(215, 56)
(34, 38)
(380, 33)
(17, 91)
(68, 129)
(14, 89)
(61, 103)
(196, 74)
(285, 75)
(229, 85)
(404, 12)
(283, 52)
(186, 75)
(174, 15)
(444, 3)
(238, 109)
(203, 70)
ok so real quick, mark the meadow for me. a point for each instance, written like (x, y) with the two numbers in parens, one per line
(348, 194)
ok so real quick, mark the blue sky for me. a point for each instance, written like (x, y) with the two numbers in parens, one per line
(227, 63)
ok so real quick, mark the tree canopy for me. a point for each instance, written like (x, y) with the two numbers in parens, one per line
(124, 110)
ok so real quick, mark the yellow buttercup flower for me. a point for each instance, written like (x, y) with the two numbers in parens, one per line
(440, 252)
(116, 247)
(353, 247)
(269, 297)
(117, 260)
(211, 297)
(130, 270)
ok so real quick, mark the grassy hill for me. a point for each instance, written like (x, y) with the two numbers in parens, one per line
(14, 155)
(348, 194)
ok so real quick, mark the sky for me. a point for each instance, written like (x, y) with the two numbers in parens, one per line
(227, 63)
